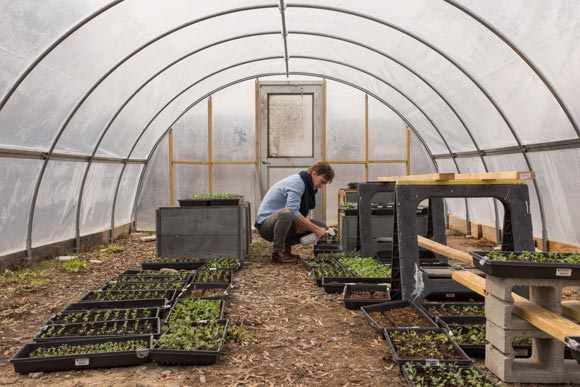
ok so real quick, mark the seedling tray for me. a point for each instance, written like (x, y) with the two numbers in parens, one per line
(24, 364)
(326, 247)
(431, 307)
(327, 262)
(152, 279)
(137, 295)
(100, 314)
(208, 265)
(158, 273)
(184, 357)
(356, 303)
(182, 264)
(209, 202)
(421, 371)
(336, 284)
(219, 317)
(227, 281)
(153, 325)
(460, 358)
(511, 269)
(167, 285)
(91, 305)
(333, 272)
(206, 289)
(391, 305)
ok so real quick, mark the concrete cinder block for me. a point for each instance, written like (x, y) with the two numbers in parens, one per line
(545, 292)
(502, 339)
(531, 370)
(500, 313)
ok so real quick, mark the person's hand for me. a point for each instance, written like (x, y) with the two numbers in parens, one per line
(320, 232)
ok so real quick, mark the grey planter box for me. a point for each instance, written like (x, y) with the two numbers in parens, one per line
(205, 232)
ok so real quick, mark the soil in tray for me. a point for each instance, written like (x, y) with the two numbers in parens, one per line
(414, 344)
(367, 295)
(401, 317)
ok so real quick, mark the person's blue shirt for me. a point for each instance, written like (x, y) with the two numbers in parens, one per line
(287, 193)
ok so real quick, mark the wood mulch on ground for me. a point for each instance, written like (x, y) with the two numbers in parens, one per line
(292, 332)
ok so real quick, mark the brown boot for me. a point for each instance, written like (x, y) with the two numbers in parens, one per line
(289, 252)
(283, 257)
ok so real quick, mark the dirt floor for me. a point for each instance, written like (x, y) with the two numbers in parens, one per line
(293, 333)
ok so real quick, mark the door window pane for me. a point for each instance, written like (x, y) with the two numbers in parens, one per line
(290, 125)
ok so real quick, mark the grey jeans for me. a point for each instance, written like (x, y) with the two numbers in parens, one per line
(280, 229)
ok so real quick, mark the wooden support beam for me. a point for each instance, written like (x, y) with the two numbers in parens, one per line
(445, 250)
(428, 176)
(553, 324)
(484, 176)
(511, 175)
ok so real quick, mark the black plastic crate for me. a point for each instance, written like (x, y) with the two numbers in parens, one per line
(209, 202)
(391, 305)
(318, 273)
(512, 269)
(201, 276)
(23, 363)
(356, 303)
(185, 357)
(460, 357)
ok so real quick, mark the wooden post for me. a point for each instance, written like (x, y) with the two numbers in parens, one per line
(408, 155)
(257, 123)
(366, 137)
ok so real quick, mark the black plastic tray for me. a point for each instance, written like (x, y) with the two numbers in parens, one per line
(324, 262)
(204, 285)
(461, 359)
(178, 265)
(564, 271)
(220, 317)
(183, 357)
(318, 279)
(350, 303)
(177, 285)
(131, 279)
(390, 305)
(91, 305)
(428, 308)
(336, 284)
(209, 202)
(154, 312)
(228, 282)
(154, 321)
(157, 273)
(170, 294)
(325, 247)
(24, 364)
(420, 369)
